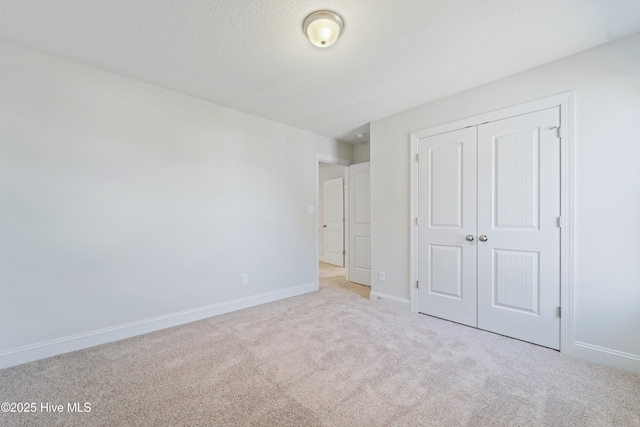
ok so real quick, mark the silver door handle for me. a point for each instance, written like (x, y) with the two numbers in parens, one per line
(483, 238)
(469, 238)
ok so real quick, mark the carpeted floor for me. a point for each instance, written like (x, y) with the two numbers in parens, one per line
(330, 358)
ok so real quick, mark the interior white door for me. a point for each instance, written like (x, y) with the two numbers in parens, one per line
(518, 214)
(360, 224)
(334, 221)
(489, 236)
(447, 211)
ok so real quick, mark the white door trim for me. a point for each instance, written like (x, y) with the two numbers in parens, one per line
(324, 158)
(567, 203)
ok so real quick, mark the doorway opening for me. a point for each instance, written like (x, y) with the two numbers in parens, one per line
(334, 233)
(332, 215)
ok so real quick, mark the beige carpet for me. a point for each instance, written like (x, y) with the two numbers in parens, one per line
(329, 358)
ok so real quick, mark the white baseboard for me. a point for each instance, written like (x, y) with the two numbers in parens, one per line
(606, 356)
(390, 300)
(29, 353)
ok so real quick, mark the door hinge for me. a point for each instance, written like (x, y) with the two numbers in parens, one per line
(417, 221)
(559, 311)
(417, 157)
(344, 252)
(417, 284)
(560, 222)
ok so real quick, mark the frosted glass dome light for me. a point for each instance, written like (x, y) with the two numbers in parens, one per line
(323, 27)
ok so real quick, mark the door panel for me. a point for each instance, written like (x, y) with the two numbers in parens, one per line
(518, 210)
(445, 277)
(360, 224)
(333, 221)
(516, 280)
(516, 177)
(447, 210)
(446, 179)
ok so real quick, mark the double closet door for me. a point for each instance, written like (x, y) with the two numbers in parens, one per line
(489, 236)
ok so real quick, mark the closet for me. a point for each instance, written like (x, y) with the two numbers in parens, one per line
(488, 239)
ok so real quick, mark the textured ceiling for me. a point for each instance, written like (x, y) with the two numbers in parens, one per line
(251, 55)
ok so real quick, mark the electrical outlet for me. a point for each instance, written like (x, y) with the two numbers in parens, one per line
(381, 276)
(245, 279)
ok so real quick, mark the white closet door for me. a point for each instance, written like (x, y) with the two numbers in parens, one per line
(518, 211)
(360, 224)
(334, 221)
(447, 210)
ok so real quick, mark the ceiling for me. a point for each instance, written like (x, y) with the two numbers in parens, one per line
(251, 55)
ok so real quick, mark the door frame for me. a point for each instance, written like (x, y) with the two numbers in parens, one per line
(324, 158)
(567, 201)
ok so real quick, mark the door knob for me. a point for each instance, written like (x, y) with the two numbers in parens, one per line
(469, 238)
(483, 238)
(325, 226)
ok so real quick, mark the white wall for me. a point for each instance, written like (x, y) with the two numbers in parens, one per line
(361, 153)
(326, 173)
(606, 81)
(122, 202)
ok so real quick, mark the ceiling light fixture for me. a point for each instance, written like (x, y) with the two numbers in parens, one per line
(323, 27)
